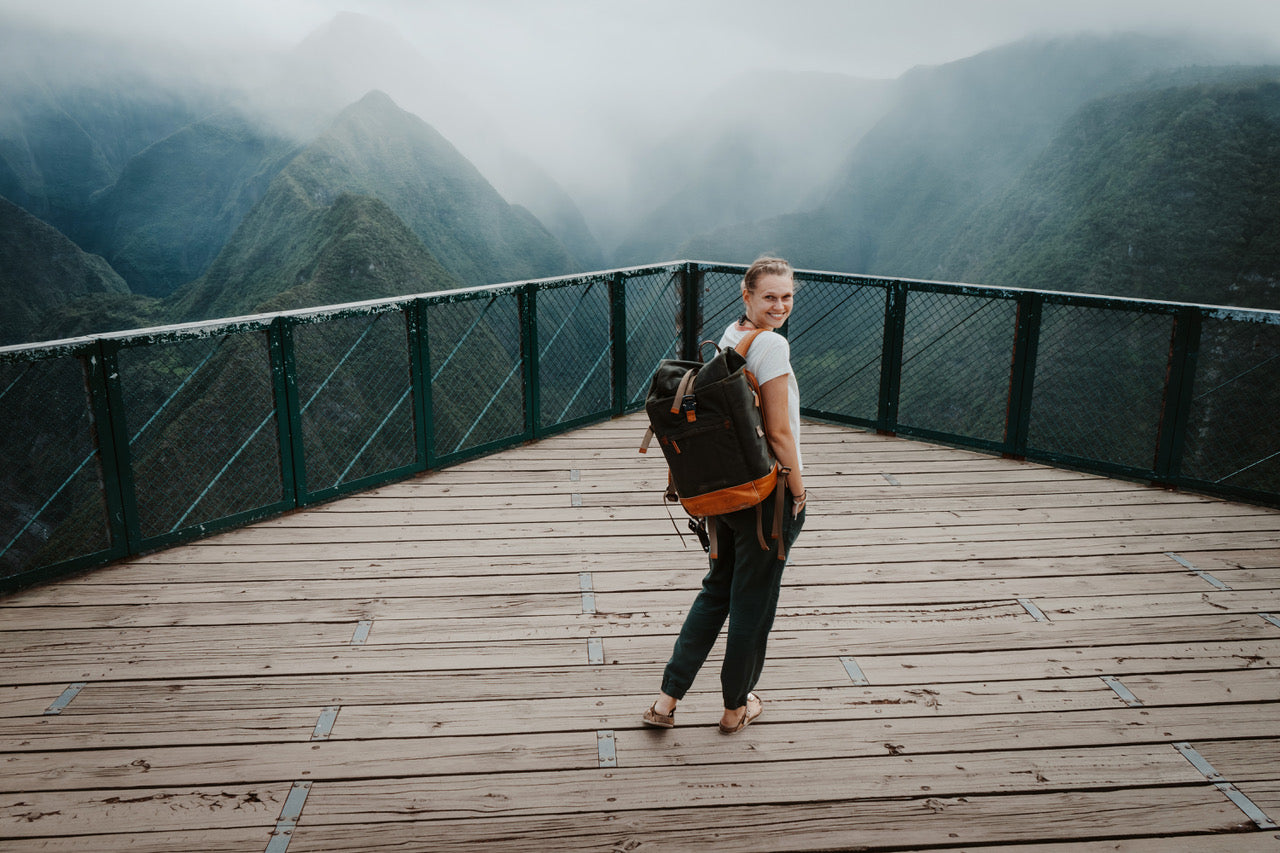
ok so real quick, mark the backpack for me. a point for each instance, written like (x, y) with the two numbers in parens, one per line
(709, 422)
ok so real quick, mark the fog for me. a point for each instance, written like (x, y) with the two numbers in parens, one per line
(581, 85)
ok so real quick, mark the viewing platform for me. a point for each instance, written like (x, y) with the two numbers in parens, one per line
(971, 652)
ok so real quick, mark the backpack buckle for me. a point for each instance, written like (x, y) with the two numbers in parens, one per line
(689, 406)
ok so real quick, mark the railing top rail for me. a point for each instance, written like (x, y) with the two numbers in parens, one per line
(207, 328)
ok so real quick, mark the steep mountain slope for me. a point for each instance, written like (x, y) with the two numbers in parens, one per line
(1173, 194)
(353, 54)
(956, 136)
(375, 148)
(295, 250)
(176, 202)
(41, 271)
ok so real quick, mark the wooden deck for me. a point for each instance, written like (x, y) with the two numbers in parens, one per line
(1051, 661)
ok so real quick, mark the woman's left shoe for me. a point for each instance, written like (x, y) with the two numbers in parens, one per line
(747, 716)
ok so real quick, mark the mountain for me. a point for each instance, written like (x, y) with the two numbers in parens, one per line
(41, 271)
(1172, 194)
(354, 54)
(762, 145)
(954, 137)
(177, 201)
(297, 250)
(375, 148)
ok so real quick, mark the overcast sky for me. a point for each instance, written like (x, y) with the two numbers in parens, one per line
(589, 43)
(572, 59)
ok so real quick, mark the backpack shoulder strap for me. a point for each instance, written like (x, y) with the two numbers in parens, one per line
(745, 343)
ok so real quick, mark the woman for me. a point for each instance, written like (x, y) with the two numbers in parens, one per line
(744, 580)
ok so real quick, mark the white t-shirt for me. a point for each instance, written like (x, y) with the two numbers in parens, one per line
(768, 358)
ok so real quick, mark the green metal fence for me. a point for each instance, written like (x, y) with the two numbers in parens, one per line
(131, 442)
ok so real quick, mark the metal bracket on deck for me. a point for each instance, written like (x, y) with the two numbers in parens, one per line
(855, 672)
(1201, 573)
(575, 499)
(1036, 613)
(362, 632)
(595, 650)
(288, 820)
(574, 475)
(1234, 794)
(1121, 691)
(324, 726)
(607, 748)
(64, 700)
(588, 592)
(1270, 618)
(893, 481)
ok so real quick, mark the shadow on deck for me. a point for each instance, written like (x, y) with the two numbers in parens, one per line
(969, 652)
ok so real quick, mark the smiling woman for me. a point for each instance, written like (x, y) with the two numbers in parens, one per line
(744, 580)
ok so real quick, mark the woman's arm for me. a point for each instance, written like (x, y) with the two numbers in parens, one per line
(777, 423)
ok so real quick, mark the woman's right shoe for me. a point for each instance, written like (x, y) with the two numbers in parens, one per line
(652, 717)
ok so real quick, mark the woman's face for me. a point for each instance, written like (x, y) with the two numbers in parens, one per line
(769, 305)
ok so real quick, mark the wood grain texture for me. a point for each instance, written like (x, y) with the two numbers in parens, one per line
(467, 716)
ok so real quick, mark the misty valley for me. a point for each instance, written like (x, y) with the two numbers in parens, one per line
(1121, 165)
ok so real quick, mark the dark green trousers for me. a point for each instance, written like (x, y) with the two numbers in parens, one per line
(742, 586)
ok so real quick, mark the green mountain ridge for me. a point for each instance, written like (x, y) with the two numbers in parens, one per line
(40, 270)
(295, 252)
(1173, 194)
(958, 136)
(176, 202)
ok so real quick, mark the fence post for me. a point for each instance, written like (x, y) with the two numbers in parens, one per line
(102, 378)
(527, 300)
(284, 383)
(690, 310)
(895, 323)
(420, 374)
(618, 339)
(1184, 348)
(1022, 370)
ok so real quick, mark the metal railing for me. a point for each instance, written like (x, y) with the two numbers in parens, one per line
(130, 442)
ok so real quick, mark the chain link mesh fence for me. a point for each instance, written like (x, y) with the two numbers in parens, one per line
(1099, 384)
(955, 364)
(653, 322)
(1232, 437)
(200, 411)
(721, 295)
(52, 503)
(355, 397)
(574, 365)
(203, 436)
(477, 381)
(837, 342)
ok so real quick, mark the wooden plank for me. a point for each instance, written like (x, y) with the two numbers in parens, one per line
(214, 663)
(775, 783)
(1090, 732)
(622, 711)
(73, 730)
(47, 814)
(561, 591)
(1252, 760)
(1191, 687)
(1242, 841)
(803, 568)
(222, 840)
(1170, 604)
(247, 764)
(938, 548)
(859, 824)
(978, 527)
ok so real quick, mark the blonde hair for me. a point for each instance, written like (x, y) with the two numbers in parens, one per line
(766, 265)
